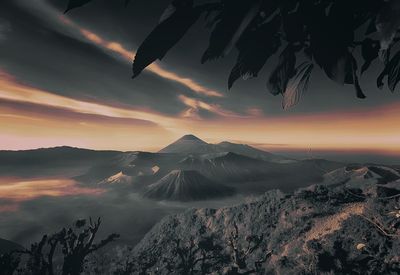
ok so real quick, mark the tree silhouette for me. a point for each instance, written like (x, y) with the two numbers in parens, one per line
(75, 247)
(335, 35)
(39, 262)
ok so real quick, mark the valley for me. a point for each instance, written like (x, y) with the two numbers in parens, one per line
(64, 184)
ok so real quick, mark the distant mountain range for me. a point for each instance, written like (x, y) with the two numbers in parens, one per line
(190, 144)
(63, 160)
(236, 166)
(327, 218)
(364, 177)
(221, 167)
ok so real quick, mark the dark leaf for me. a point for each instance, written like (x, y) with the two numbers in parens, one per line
(388, 22)
(279, 78)
(394, 72)
(127, 2)
(174, 6)
(168, 12)
(391, 70)
(371, 27)
(164, 37)
(212, 16)
(72, 4)
(369, 51)
(234, 19)
(255, 47)
(330, 38)
(365, 13)
(359, 92)
(297, 85)
(293, 24)
(308, 53)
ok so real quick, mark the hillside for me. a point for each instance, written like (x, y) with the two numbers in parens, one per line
(119, 178)
(225, 167)
(8, 246)
(317, 230)
(249, 151)
(359, 176)
(132, 164)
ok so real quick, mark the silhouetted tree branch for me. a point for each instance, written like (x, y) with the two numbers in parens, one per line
(241, 253)
(75, 247)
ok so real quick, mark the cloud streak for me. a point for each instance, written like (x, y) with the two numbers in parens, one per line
(195, 105)
(155, 68)
(10, 89)
(31, 118)
(63, 23)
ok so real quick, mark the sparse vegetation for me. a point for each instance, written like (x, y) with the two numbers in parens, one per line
(70, 247)
(366, 243)
(241, 263)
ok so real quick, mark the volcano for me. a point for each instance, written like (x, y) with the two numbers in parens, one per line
(186, 185)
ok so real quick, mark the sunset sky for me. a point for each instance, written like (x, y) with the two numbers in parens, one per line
(66, 80)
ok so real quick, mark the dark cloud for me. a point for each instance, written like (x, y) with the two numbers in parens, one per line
(51, 56)
(61, 64)
(5, 28)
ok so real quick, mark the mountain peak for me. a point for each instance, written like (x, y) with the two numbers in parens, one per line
(225, 143)
(187, 144)
(191, 137)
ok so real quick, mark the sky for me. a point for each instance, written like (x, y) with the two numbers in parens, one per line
(66, 80)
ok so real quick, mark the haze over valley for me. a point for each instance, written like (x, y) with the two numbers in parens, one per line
(42, 190)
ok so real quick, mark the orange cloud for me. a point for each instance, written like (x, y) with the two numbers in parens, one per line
(195, 105)
(127, 55)
(14, 191)
(364, 129)
(32, 118)
(10, 89)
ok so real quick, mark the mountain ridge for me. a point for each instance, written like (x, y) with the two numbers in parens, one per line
(190, 144)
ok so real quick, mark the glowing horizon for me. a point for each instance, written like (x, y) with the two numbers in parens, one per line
(91, 125)
(31, 117)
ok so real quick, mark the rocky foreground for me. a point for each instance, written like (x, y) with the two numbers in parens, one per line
(336, 228)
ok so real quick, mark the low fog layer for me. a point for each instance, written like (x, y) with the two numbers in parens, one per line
(124, 213)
